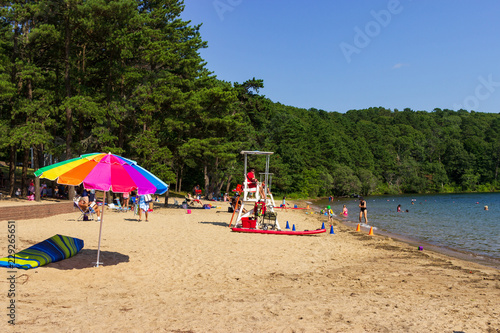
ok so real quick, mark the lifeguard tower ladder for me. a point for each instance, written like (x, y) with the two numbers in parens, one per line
(251, 195)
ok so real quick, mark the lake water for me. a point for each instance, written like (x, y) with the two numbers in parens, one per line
(450, 221)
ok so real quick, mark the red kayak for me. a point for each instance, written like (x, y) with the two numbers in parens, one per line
(279, 232)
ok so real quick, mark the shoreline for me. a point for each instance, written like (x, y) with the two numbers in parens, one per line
(447, 251)
(442, 250)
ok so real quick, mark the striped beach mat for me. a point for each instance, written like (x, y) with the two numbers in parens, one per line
(54, 249)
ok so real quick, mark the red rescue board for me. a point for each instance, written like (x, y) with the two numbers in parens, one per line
(279, 232)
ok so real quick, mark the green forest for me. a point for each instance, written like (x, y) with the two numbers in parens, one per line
(126, 76)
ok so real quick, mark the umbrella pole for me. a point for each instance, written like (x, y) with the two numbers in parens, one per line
(100, 231)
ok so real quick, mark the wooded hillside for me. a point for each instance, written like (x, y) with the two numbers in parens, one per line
(125, 76)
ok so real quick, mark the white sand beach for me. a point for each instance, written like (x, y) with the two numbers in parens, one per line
(189, 273)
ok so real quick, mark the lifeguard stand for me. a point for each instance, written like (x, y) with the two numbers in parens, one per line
(251, 195)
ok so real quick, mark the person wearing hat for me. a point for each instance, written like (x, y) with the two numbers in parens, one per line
(329, 212)
(362, 210)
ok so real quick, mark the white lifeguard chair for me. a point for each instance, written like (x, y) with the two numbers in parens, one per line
(251, 195)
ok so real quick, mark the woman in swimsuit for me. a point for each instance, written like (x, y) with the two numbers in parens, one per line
(362, 210)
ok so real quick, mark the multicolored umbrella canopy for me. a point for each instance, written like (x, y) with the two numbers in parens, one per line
(104, 172)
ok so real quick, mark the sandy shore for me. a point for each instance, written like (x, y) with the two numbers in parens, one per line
(189, 273)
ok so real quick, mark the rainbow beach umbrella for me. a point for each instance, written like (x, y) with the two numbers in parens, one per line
(104, 172)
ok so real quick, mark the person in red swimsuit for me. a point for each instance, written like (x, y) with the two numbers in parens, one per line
(253, 182)
(197, 192)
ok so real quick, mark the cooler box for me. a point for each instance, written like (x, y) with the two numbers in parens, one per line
(247, 222)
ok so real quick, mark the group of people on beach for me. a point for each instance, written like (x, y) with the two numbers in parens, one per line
(87, 203)
(363, 212)
(58, 192)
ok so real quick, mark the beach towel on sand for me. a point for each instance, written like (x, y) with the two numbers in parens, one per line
(54, 249)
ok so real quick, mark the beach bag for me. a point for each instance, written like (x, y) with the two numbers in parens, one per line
(148, 198)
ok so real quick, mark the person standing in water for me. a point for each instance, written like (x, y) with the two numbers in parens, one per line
(362, 210)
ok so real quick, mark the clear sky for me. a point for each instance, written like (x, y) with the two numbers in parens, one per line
(339, 55)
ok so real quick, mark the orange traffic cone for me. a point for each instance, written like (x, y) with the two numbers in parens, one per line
(358, 228)
(307, 207)
(371, 232)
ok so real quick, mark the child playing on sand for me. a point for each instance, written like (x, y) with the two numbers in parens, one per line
(329, 212)
(283, 203)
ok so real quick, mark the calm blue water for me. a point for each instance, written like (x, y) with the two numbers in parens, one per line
(455, 221)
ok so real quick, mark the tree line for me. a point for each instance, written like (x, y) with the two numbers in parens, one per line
(126, 76)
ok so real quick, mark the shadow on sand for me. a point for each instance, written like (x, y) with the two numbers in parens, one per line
(219, 224)
(86, 259)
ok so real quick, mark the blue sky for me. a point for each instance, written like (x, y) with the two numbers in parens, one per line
(339, 55)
